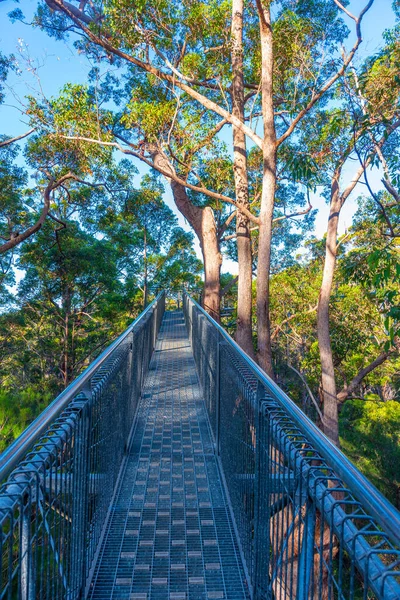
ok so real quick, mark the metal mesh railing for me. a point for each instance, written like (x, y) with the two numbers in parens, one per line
(62, 472)
(309, 524)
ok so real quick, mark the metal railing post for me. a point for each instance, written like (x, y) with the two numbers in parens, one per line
(155, 320)
(259, 500)
(217, 396)
(130, 367)
(306, 560)
(27, 575)
(80, 503)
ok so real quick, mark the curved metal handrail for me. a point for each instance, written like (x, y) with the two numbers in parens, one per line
(10, 458)
(386, 515)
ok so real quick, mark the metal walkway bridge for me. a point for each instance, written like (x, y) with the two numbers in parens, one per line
(174, 469)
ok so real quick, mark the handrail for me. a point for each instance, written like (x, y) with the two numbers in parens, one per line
(386, 515)
(18, 449)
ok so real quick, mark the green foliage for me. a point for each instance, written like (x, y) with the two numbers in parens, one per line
(84, 279)
(370, 436)
(6, 63)
(380, 80)
(18, 410)
(73, 113)
(374, 262)
(358, 318)
(107, 243)
(153, 116)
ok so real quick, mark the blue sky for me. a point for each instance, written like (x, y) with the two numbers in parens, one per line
(56, 63)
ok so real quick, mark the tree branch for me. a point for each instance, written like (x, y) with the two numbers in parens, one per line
(392, 191)
(64, 7)
(348, 13)
(303, 379)
(283, 217)
(296, 214)
(226, 224)
(355, 382)
(228, 286)
(332, 80)
(17, 239)
(15, 139)
(279, 327)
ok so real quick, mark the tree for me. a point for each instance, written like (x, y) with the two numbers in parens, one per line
(145, 232)
(69, 291)
(244, 332)
(13, 180)
(179, 268)
(366, 138)
(365, 359)
(193, 85)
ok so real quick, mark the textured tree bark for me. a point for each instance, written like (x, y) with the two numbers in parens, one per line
(203, 223)
(264, 351)
(329, 394)
(244, 335)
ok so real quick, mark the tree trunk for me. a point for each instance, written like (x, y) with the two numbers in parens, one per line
(329, 395)
(264, 351)
(244, 336)
(66, 308)
(65, 358)
(203, 223)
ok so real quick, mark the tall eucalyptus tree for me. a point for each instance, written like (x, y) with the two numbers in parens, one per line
(180, 57)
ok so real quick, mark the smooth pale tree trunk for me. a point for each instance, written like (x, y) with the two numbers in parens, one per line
(244, 335)
(329, 393)
(203, 223)
(264, 351)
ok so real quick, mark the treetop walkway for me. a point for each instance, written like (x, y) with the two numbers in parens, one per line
(174, 468)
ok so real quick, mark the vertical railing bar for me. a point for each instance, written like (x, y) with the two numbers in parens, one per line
(257, 493)
(218, 396)
(306, 561)
(27, 583)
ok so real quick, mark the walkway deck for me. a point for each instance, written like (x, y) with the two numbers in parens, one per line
(170, 535)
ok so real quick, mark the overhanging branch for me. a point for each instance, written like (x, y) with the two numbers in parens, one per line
(169, 174)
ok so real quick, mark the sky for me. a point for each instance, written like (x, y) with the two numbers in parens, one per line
(46, 65)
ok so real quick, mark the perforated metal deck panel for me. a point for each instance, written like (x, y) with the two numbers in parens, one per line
(170, 535)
